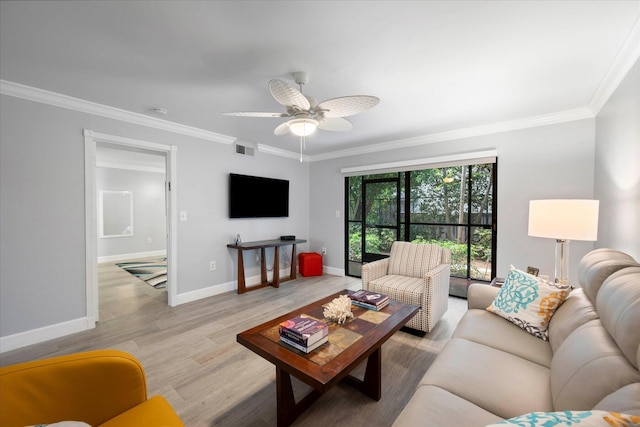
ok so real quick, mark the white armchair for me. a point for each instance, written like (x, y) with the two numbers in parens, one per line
(416, 274)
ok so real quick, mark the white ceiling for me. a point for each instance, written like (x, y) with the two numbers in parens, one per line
(437, 66)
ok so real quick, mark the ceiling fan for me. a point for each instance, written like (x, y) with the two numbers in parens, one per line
(305, 114)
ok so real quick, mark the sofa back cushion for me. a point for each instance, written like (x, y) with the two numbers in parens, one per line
(587, 367)
(618, 305)
(606, 349)
(414, 259)
(573, 313)
(599, 264)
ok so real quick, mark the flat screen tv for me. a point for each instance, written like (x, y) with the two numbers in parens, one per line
(257, 197)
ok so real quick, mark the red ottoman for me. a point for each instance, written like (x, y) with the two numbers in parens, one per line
(310, 264)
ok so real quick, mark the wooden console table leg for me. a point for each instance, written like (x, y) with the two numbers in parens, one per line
(263, 267)
(276, 267)
(242, 288)
(293, 262)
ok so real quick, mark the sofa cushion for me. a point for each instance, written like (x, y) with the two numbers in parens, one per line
(413, 259)
(618, 303)
(571, 418)
(599, 264)
(574, 312)
(152, 413)
(442, 409)
(485, 328)
(528, 301)
(625, 400)
(587, 367)
(494, 380)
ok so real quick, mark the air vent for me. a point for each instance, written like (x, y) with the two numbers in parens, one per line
(244, 149)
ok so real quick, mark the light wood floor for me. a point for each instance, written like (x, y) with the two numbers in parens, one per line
(191, 356)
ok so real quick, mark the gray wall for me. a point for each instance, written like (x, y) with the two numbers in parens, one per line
(617, 167)
(42, 252)
(149, 219)
(553, 161)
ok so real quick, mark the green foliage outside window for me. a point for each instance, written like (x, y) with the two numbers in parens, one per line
(448, 206)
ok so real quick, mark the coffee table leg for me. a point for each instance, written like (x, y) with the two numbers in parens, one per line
(286, 401)
(373, 375)
(288, 409)
(371, 385)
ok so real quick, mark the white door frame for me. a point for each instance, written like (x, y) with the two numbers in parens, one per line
(91, 138)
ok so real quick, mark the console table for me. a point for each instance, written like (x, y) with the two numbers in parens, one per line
(262, 245)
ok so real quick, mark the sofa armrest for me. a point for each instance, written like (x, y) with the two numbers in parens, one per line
(374, 270)
(480, 296)
(92, 387)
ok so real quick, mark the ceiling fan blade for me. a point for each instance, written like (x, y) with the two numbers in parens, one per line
(287, 95)
(347, 105)
(336, 124)
(282, 129)
(255, 114)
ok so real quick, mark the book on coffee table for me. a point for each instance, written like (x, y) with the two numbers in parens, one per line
(371, 300)
(304, 331)
(301, 347)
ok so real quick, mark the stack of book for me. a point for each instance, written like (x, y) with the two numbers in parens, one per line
(303, 333)
(371, 300)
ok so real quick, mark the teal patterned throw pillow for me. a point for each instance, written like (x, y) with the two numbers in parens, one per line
(528, 301)
(571, 418)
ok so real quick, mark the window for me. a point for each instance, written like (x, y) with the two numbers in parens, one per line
(453, 206)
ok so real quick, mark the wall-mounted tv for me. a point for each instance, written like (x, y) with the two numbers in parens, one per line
(257, 197)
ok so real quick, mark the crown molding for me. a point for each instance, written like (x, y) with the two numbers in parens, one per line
(524, 123)
(283, 153)
(56, 99)
(618, 70)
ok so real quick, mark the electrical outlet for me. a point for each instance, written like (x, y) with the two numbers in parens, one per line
(148, 240)
(212, 265)
(183, 216)
(324, 251)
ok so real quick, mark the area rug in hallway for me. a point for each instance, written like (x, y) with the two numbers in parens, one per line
(151, 271)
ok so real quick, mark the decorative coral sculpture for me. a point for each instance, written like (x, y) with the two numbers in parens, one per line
(338, 310)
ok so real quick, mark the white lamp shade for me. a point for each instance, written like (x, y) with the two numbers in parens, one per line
(564, 219)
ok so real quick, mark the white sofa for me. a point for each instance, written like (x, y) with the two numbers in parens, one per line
(492, 370)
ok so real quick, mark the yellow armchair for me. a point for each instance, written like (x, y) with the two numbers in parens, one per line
(103, 388)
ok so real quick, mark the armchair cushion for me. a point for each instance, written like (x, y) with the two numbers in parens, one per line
(408, 290)
(413, 260)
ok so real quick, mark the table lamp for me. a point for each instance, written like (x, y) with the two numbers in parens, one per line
(563, 220)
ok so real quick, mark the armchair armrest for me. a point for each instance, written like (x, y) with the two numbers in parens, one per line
(480, 296)
(374, 270)
(437, 282)
(92, 387)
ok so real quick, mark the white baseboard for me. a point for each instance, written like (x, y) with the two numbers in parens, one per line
(334, 271)
(125, 257)
(223, 287)
(46, 333)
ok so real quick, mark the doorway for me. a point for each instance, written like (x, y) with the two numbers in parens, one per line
(93, 140)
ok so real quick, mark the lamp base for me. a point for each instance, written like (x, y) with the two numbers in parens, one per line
(562, 262)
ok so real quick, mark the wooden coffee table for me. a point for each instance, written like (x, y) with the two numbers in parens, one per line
(349, 345)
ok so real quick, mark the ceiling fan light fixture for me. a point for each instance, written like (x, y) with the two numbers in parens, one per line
(303, 127)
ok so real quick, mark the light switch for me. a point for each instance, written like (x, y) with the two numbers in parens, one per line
(183, 215)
